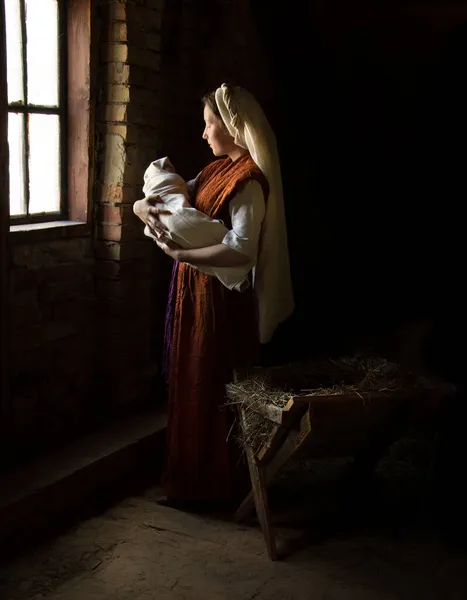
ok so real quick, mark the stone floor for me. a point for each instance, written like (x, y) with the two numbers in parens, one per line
(381, 546)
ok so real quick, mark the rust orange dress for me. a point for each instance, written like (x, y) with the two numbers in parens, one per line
(212, 331)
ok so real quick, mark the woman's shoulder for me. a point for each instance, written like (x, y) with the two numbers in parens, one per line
(250, 167)
(253, 173)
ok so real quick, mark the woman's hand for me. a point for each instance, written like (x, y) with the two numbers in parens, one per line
(168, 246)
(146, 211)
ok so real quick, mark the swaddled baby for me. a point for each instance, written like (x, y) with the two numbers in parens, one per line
(161, 179)
(187, 226)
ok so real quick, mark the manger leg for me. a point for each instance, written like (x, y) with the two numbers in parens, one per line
(258, 494)
(261, 503)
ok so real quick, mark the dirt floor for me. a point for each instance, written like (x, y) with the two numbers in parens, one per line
(338, 542)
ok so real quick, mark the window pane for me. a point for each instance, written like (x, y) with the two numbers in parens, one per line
(15, 147)
(42, 52)
(44, 163)
(14, 51)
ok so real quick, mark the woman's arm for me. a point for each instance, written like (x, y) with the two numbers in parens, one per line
(240, 244)
(247, 209)
(219, 255)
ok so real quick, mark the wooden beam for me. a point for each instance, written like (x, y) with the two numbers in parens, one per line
(80, 110)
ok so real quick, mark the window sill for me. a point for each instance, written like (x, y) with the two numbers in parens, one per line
(48, 231)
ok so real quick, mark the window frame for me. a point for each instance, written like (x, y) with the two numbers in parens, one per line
(28, 109)
(76, 123)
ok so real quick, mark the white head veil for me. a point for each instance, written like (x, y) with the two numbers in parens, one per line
(247, 124)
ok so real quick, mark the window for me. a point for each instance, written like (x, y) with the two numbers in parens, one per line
(48, 80)
(36, 46)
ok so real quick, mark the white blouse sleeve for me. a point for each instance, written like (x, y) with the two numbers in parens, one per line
(247, 209)
(191, 185)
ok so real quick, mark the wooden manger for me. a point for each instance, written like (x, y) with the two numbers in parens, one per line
(360, 418)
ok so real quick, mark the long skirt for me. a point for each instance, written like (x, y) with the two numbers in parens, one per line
(210, 330)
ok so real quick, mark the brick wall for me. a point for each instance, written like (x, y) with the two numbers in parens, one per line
(52, 331)
(128, 268)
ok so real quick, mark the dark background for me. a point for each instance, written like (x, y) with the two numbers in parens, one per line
(371, 125)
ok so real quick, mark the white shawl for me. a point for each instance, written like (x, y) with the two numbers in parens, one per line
(247, 124)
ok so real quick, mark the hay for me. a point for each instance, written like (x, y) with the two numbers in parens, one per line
(355, 374)
(249, 394)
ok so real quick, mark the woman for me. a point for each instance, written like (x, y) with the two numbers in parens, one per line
(210, 329)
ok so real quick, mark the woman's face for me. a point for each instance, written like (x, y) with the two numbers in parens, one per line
(216, 134)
